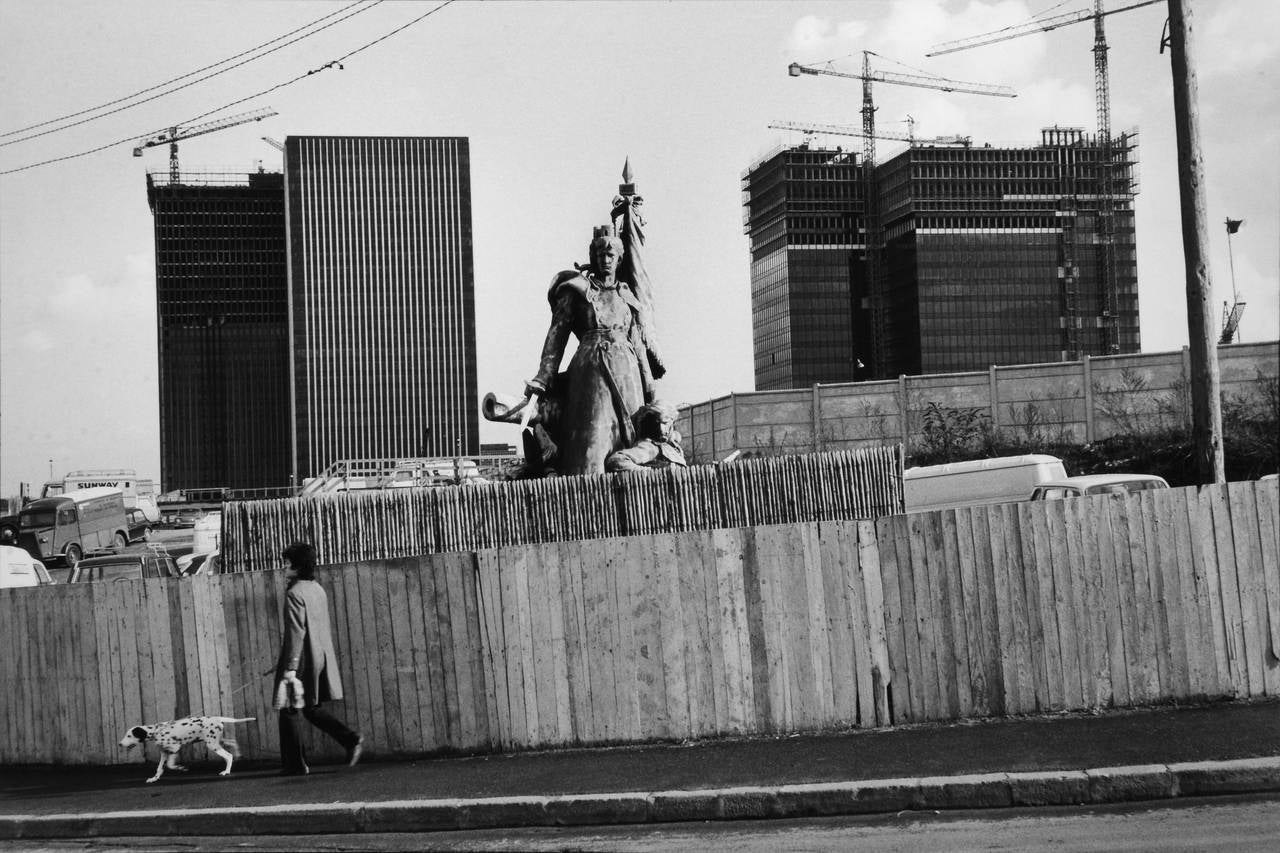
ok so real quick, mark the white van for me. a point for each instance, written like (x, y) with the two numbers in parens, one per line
(978, 481)
(18, 568)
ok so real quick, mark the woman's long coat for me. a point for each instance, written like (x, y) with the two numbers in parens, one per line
(307, 647)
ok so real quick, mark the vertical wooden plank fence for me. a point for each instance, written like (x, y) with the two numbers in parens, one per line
(357, 527)
(808, 625)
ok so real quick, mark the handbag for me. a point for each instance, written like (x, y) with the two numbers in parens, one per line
(289, 694)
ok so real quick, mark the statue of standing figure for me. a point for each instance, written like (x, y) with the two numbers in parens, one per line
(579, 417)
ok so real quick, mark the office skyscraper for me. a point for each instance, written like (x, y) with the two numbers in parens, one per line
(320, 315)
(382, 298)
(998, 255)
(804, 220)
(989, 256)
(222, 312)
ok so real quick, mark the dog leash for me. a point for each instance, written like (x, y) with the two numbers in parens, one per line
(250, 682)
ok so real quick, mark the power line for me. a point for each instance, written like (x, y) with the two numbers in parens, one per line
(267, 91)
(185, 76)
(396, 30)
(180, 77)
(329, 64)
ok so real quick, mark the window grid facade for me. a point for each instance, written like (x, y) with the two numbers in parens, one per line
(994, 255)
(991, 256)
(221, 310)
(382, 298)
(803, 217)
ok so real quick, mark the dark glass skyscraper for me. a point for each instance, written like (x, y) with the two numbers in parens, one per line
(804, 219)
(997, 255)
(990, 256)
(222, 311)
(324, 314)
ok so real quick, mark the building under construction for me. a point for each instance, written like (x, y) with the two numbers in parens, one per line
(988, 255)
(804, 218)
(223, 336)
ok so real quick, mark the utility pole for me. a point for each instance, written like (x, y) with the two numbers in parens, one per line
(1206, 401)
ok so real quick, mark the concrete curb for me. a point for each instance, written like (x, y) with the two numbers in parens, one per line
(988, 790)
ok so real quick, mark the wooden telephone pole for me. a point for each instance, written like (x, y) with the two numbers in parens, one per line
(1206, 400)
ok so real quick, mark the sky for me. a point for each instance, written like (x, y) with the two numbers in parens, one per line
(554, 97)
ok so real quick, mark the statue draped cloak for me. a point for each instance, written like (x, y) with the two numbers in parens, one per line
(587, 410)
(589, 406)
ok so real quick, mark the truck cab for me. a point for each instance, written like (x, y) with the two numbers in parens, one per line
(65, 528)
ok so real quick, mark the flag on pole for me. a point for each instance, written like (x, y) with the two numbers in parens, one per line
(1233, 225)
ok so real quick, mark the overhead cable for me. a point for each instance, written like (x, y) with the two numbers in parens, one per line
(333, 63)
(267, 91)
(349, 14)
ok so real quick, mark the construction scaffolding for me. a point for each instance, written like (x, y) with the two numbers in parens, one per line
(988, 255)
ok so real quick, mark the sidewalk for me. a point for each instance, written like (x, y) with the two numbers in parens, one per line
(1124, 755)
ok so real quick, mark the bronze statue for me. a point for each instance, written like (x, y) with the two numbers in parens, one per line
(580, 416)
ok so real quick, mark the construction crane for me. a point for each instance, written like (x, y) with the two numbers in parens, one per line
(871, 217)
(173, 134)
(810, 128)
(274, 143)
(1038, 25)
(1231, 314)
(1105, 178)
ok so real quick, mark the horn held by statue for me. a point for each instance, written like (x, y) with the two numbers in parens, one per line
(503, 408)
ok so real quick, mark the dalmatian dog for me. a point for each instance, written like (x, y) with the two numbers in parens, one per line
(171, 736)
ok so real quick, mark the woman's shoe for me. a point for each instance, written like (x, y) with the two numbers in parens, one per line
(355, 750)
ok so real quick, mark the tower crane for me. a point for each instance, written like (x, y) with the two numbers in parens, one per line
(173, 134)
(852, 130)
(1231, 314)
(871, 217)
(1102, 96)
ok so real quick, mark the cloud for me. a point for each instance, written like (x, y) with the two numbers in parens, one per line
(128, 289)
(35, 340)
(73, 293)
(911, 29)
(1250, 31)
(813, 38)
(808, 32)
(850, 31)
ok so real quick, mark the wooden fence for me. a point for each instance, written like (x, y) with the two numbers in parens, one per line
(381, 524)
(1101, 602)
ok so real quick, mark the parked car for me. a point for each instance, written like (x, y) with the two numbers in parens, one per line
(18, 568)
(200, 564)
(145, 564)
(1096, 484)
(139, 526)
(8, 529)
(185, 517)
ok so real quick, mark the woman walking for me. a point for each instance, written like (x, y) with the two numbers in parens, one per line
(307, 671)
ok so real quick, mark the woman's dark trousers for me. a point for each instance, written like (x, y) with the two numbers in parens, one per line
(293, 757)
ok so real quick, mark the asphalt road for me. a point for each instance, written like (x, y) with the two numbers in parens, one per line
(1237, 824)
